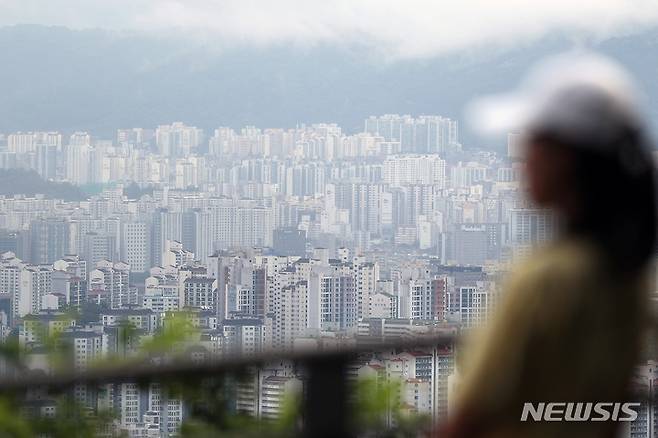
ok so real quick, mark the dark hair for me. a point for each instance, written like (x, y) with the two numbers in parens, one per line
(614, 184)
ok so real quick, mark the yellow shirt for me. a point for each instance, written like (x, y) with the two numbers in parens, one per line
(567, 330)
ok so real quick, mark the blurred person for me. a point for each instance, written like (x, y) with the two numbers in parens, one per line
(572, 316)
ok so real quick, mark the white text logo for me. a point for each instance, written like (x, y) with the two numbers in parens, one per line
(570, 411)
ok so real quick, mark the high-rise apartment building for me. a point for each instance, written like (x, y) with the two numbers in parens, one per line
(177, 139)
(401, 170)
(49, 240)
(136, 245)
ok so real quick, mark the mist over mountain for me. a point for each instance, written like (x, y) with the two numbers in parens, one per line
(56, 78)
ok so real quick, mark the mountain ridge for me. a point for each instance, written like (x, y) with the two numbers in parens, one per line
(56, 78)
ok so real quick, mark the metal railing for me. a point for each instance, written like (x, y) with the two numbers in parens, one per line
(325, 407)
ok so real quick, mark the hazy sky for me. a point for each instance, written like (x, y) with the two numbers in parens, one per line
(408, 28)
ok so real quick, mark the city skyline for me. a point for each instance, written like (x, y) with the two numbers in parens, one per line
(237, 217)
(270, 240)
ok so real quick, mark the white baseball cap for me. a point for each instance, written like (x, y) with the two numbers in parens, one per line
(576, 95)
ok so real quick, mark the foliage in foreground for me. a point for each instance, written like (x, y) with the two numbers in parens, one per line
(376, 403)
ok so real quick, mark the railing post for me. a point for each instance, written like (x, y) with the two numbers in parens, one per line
(326, 411)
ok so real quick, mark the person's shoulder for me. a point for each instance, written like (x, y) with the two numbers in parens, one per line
(565, 257)
(559, 266)
(555, 279)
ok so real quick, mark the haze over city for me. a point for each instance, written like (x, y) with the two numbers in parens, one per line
(246, 216)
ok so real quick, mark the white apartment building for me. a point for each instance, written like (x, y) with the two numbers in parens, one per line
(35, 282)
(177, 139)
(289, 303)
(274, 390)
(402, 170)
(77, 167)
(135, 245)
